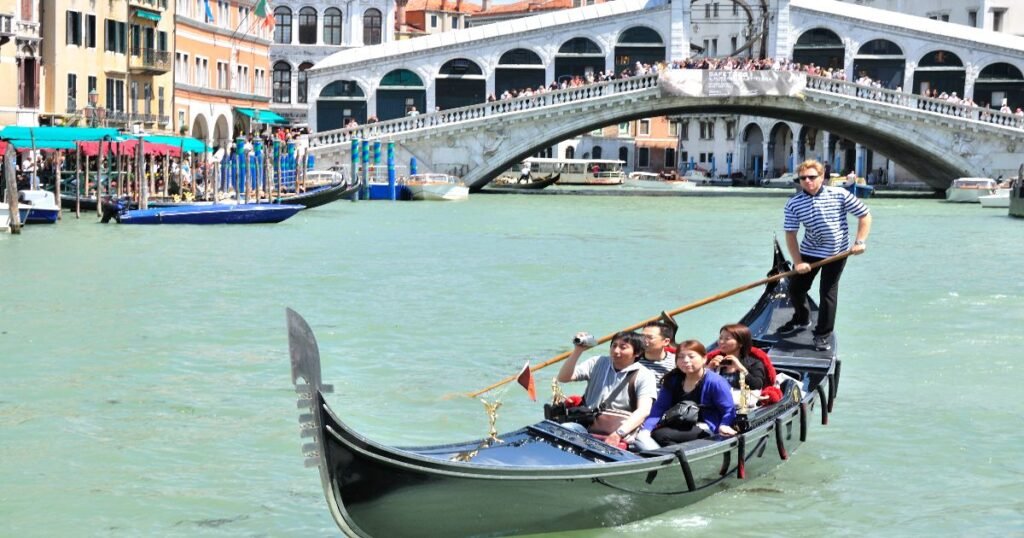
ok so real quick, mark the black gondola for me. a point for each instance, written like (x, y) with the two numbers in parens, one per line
(543, 477)
(532, 185)
(319, 196)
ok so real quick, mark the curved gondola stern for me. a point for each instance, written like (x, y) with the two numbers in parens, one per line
(306, 377)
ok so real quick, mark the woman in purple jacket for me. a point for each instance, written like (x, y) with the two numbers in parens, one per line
(690, 380)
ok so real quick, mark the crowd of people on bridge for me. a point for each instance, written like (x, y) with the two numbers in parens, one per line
(867, 88)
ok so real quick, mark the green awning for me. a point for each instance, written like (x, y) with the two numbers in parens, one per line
(262, 116)
(189, 144)
(148, 15)
(65, 134)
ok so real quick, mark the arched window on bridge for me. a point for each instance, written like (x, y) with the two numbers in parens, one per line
(332, 26)
(821, 47)
(339, 102)
(880, 60)
(303, 88)
(460, 82)
(307, 26)
(517, 70)
(282, 25)
(998, 82)
(939, 72)
(399, 91)
(570, 152)
(638, 44)
(282, 82)
(579, 57)
(598, 152)
(371, 27)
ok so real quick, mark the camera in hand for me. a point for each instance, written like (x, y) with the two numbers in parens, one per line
(585, 340)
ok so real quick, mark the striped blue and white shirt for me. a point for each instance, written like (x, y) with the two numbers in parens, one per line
(826, 232)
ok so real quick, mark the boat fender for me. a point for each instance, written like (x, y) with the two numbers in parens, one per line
(779, 443)
(741, 454)
(803, 421)
(824, 405)
(684, 464)
(726, 463)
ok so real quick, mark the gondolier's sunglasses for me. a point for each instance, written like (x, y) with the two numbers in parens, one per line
(812, 178)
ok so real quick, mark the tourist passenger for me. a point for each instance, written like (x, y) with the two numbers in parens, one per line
(736, 353)
(657, 336)
(822, 211)
(606, 372)
(690, 381)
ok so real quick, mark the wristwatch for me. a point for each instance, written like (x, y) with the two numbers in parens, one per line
(859, 242)
(620, 433)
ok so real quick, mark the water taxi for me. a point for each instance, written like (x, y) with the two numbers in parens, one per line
(970, 189)
(436, 187)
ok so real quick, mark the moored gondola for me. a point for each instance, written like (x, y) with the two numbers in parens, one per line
(318, 196)
(543, 477)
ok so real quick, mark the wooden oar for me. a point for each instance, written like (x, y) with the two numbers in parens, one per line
(697, 304)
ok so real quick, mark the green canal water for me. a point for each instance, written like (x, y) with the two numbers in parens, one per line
(145, 386)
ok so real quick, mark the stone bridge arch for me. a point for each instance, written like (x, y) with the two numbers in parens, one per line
(519, 137)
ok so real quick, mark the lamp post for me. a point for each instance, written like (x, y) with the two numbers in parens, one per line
(94, 98)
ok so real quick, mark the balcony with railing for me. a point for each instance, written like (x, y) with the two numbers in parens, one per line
(156, 5)
(151, 61)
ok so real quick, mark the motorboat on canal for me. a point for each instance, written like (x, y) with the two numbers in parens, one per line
(37, 206)
(999, 200)
(544, 477)
(1017, 195)
(650, 180)
(205, 214)
(970, 189)
(5, 217)
(436, 187)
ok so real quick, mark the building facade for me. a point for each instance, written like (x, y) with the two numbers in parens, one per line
(221, 71)
(306, 31)
(20, 55)
(120, 52)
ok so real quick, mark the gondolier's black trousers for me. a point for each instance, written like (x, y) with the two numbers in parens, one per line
(828, 292)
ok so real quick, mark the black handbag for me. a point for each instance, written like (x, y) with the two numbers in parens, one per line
(580, 414)
(584, 415)
(681, 416)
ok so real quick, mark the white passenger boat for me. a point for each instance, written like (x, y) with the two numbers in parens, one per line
(579, 171)
(1001, 199)
(785, 181)
(970, 189)
(436, 187)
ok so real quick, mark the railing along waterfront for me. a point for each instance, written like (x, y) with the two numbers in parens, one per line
(554, 98)
(919, 102)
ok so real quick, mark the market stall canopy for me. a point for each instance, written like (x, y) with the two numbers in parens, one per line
(127, 147)
(185, 143)
(262, 116)
(53, 137)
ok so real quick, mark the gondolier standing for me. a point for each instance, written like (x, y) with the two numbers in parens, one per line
(822, 211)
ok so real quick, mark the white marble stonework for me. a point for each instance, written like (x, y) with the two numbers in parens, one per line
(296, 54)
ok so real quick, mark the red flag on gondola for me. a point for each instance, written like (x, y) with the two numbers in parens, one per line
(526, 380)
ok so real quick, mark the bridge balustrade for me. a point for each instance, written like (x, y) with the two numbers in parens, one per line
(909, 100)
(515, 105)
(598, 90)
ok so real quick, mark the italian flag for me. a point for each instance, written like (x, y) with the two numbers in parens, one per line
(264, 13)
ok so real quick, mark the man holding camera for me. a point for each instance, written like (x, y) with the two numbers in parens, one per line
(604, 375)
